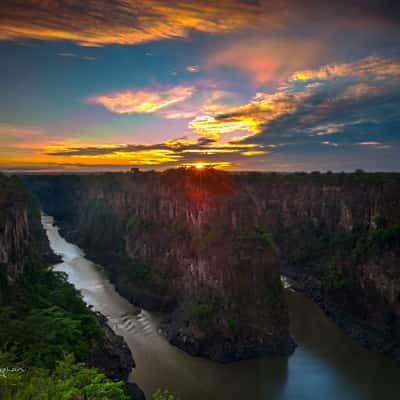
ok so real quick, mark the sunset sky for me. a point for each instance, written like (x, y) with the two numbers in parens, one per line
(240, 84)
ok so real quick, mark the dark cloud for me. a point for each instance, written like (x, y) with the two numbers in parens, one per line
(100, 22)
(172, 153)
(178, 145)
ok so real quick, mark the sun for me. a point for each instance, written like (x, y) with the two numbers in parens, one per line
(199, 165)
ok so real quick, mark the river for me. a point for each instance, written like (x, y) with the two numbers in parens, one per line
(327, 365)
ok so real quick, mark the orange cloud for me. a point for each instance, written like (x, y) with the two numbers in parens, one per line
(347, 82)
(175, 152)
(267, 59)
(142, 101)
(253, 153)
(101, 22)
(376, 67)
(251, 117)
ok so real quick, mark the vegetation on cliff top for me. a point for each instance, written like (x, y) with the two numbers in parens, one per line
(311, 248)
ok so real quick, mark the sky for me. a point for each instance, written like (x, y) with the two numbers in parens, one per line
(289, 85)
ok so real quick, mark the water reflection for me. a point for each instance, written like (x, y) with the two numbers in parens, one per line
(326, 366)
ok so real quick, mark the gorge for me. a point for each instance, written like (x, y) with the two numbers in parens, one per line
(326, 364)
(197, 259)
(206, 247)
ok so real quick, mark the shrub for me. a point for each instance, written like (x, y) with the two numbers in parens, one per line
(331, 278)
(203, 313)
(69, 381)
(163, 394)
(233, 324)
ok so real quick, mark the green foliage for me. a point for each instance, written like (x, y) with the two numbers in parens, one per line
(374, 243)
(140, 271)
(273, 294)
(233, 324)
(44, 324)
(100, 230)
(331, 278)
(380, 222)
(204, 313)
(267, 239)
(68, 381)
(44, 318)
(137, 226)
(258, 236)
(12, 189)
(43, 336)
(214, 235)
(305, 245)
(163, 394)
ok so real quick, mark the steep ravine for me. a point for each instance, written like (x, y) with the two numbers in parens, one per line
(205, 245)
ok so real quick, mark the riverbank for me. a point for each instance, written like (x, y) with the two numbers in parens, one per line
(334, 306)
(109, 353)
(112, 356)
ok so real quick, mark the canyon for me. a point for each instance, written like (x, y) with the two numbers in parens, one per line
(207, 248)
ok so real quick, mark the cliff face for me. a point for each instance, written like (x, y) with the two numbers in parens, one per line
(340, 241)
(15, 238)
(200, 243)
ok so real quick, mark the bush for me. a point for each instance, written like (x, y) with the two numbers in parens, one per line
(69, 381)
(203, 313)
(331, 278)
(163, 394)
(233, 324)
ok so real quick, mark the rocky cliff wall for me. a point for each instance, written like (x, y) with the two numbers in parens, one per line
(339, 236)
(15, 238)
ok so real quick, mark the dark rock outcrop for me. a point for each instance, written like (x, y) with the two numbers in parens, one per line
(112, 356)
(15, 237)
(21, 235)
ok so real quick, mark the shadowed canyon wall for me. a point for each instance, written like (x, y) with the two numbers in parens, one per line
(204, 244)
(20, 230)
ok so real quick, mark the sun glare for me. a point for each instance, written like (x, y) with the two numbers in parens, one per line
(199, 165)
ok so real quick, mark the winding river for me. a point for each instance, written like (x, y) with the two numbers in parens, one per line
(327, 365)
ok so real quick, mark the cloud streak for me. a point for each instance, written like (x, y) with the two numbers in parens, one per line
(142, 100)
(102, 22)
(73, 55)
(183, 151)
(373, 67)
